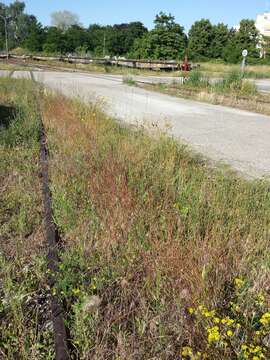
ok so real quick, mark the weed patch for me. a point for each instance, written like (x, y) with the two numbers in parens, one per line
(151, 231)
(26, 330)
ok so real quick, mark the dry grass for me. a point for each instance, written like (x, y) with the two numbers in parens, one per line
(259, 103)
(252, 71)
(150, 230)
(24, 311)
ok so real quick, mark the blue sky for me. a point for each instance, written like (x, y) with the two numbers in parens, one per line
(119, 11)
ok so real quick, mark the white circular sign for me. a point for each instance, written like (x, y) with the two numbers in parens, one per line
(245, 53)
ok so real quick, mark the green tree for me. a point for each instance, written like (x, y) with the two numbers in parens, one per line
(16, 17)
(115, 40)
(136, 30)
(220, 38)
(247, 37)
(231, 51)
(201, 36)
(75, 37)
(23, 29)
(34, 36)
(121, 37)
(166, 41)
(54, 41)
(97, 36)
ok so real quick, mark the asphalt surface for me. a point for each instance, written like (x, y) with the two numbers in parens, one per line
(230, 136)
(263, 85)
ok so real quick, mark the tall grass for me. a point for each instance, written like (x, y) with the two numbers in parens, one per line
(232, 83)
(150, 230)
(25, 331)
(252, 71)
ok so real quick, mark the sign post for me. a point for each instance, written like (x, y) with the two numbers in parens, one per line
(244, 54)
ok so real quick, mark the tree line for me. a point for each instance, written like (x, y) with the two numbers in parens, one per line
(167, 40)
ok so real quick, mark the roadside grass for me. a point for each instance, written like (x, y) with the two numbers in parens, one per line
(25, 319)
(252, 71)
(231, 90)
(128, 80)
(8, 66)
(165, 257)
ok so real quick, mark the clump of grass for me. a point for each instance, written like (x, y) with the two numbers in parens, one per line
(197, 79)
(252, 71)
(128, 80)
(233, 80)
(151, 230)
(234, 83)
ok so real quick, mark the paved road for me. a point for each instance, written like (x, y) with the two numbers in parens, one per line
(238, 138)
(263, 85)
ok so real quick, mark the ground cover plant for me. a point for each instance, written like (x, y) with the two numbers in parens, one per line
(231, 89)
(218, 69)
(165, 257)
(25, 331)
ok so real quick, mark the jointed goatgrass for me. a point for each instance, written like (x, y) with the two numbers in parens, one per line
(151, 230)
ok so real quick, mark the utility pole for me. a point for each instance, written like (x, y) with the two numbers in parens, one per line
(104, 44)
(6, 34)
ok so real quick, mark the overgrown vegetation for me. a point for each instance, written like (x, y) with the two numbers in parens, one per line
(219, 69)
(232, 83)
(164, 256)
(152, 232)
(25, 318)
(232, 90)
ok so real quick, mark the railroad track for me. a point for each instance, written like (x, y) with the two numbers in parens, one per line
(43, 67)
(61, 339)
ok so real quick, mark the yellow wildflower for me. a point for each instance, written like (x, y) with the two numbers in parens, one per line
(260, 299)
(190, 310)
(216, 320)
(187, 351)
(228, 321)
(202, 308)
(76, 291)
(213, 334)
(257, 349)
(209, 314)
(229, 333)
(265, 319)
(239, 282)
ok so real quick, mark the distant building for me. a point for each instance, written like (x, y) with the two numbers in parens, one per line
(263, 26)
